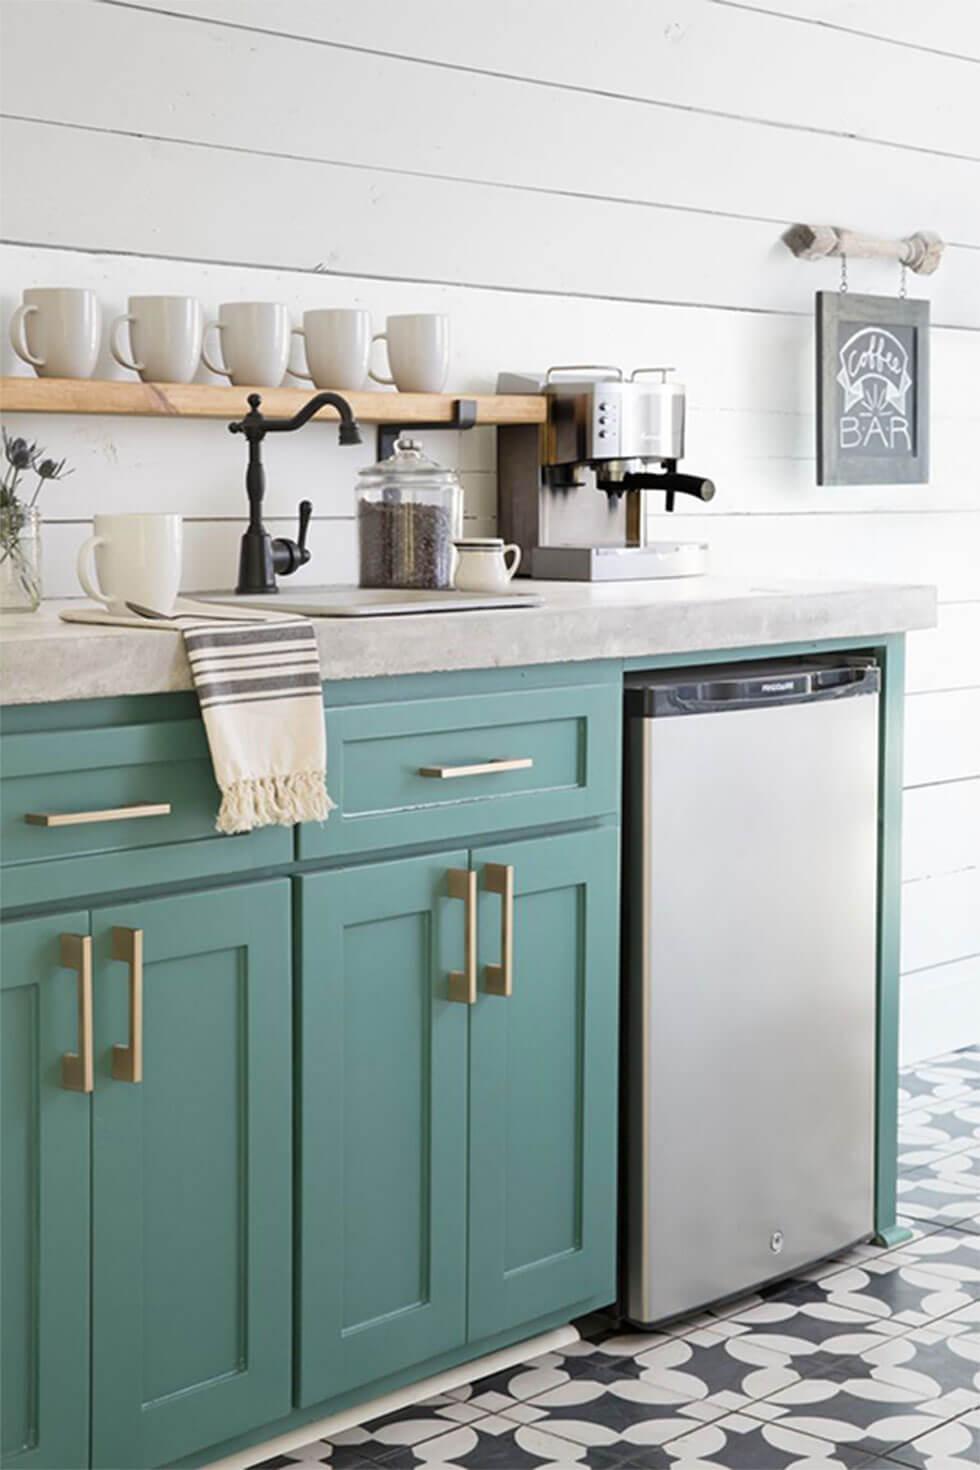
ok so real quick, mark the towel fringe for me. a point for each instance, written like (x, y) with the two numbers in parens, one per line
(281, 801)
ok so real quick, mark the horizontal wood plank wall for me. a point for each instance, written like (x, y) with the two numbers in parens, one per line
(569, 185)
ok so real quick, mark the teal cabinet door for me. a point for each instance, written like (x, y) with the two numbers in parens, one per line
(543, 1084)
(192, 1172)
(44, 1179)
(382, 1117)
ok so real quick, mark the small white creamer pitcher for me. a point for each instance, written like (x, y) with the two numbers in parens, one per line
(482, 564)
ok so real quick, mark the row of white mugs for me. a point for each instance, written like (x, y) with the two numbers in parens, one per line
(58, 330)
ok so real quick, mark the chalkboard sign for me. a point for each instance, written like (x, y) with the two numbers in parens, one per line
(872, 390)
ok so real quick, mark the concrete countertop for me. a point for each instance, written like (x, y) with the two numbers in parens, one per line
(43, 659)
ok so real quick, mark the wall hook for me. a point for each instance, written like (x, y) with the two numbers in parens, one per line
(921, 252)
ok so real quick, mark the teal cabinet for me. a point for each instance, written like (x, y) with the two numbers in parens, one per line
(44, 1168)
(543, 1084)
(109, 809)
(445, 769)
(191, 1171)
(316, 1146)
(457, 1160)
(382, 1118)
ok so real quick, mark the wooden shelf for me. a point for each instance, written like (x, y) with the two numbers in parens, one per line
(207, 401)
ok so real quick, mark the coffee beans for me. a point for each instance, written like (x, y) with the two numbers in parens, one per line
(405, 544)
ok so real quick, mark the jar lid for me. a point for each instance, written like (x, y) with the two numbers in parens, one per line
(407, 460)
(479, 543)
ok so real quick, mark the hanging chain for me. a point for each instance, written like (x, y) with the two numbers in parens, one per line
(842, 288)
(903, 286)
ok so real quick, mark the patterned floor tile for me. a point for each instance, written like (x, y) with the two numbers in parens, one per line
(965, 1060)
(895, 1286)
(939, 1198)
(500, 1391)
(928, 1134)
(496, 1443)
(930, 1082)
(928, 1362)
(619, 1415)
(954, 1446)
(375, 1441)
(725, 1370)
(739, 1442)
(868, 1413)
(809, 1335)
(903, 1297)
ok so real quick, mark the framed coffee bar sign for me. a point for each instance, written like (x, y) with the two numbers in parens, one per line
(872, 390)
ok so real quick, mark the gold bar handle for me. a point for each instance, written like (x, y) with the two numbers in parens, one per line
(499, 878)
(78, 1067)
(462, 983)
(127, 1061)
(482, 768)
(111, 814)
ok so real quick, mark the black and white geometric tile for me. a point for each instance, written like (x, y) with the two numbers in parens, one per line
(868, 1361)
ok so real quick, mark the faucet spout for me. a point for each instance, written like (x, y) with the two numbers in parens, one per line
(255, 425)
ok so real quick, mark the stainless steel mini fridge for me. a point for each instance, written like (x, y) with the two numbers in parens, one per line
(750, 976)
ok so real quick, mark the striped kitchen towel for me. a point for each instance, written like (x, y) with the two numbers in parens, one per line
(258, 683)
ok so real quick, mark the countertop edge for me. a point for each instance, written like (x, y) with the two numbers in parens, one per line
(46, 668)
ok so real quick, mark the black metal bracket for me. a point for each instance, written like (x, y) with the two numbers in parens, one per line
(464, 417)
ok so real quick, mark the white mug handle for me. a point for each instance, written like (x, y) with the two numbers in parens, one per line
(115, 346)
(222, 372)
(298, 372)
(376, 377)
(512, 568)
(18, 337)
(85, 567)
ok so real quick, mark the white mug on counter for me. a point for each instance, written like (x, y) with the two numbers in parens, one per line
(254, 338)
(418, 352)
(482, 564)
(58, 330)
(165, 335)
(337, 341)
(133, 558)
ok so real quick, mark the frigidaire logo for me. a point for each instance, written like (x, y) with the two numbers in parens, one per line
(778, 688)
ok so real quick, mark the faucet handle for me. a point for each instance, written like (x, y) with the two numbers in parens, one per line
(288, 555)
(305, 512)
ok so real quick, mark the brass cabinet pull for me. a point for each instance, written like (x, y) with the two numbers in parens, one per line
(127, 1061)
(112, 814)
(78, 1067)
(483, 768)
(499, 878)
(462, 983)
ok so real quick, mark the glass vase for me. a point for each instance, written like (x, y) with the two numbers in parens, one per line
(20, 559)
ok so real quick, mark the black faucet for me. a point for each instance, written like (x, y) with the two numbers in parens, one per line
(263, 556)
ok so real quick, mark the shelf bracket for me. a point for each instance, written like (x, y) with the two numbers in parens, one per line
(464, 417)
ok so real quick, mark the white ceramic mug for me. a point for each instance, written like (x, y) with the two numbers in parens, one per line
(133, 558)
(254, 343)
(58, 330)
(482, 564)
(165, 335)
(418, 352)
(337, 341)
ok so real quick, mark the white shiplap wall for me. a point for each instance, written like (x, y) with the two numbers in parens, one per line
(571, 182)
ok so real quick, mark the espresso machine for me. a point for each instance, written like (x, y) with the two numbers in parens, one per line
(571, 490)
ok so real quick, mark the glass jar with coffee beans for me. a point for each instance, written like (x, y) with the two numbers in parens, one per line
(409, 513)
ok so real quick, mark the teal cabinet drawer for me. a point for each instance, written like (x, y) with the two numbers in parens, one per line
(70, 803)
(431, 769)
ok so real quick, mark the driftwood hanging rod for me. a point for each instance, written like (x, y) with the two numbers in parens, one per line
(921, 252)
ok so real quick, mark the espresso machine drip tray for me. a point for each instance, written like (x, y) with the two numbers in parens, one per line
(620, 563)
